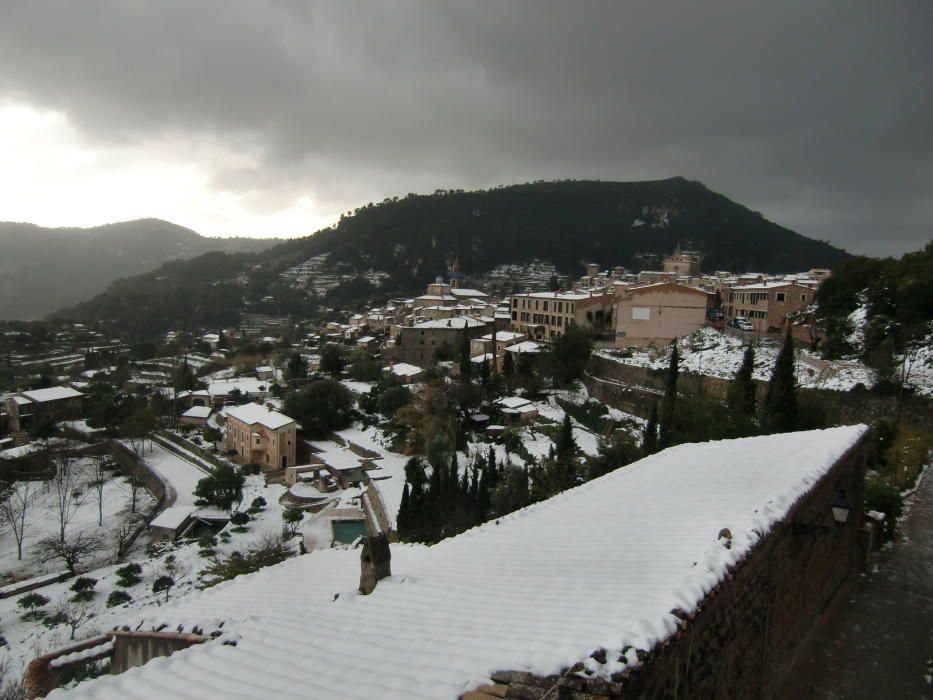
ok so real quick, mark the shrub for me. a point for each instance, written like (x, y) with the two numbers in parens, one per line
(269, 551)
(239, 518)
(258, 502)
(163, 583)
(83, 583)
(251, 468)
(58, 618)
(31, 603)
(206, 542)
(129, 575)
(886, 499)
(118, 598)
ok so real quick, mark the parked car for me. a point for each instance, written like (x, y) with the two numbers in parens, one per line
(744, 325)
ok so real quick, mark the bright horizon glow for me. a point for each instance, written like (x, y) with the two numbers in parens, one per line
(54, 178)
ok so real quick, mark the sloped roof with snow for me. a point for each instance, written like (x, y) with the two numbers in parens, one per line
(460, 322)
(601, 565)
(53, 393)
(252, 413)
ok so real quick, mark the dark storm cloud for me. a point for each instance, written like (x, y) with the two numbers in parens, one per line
(816, 114)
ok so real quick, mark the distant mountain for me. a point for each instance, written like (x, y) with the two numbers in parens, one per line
(43, 269)
(399, 245)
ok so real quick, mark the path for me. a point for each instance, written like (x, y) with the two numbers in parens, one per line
(877, 641)
(183, 476)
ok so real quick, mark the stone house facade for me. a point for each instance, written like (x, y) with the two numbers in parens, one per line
(767, 305)
(419, 344)
(260, 435)
(547, 315)
(29, 408)
(658, 313)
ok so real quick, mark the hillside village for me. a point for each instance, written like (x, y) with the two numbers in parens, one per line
(273, 453)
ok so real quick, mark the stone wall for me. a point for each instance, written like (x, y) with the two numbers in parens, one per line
(635, 389)
(745, 634)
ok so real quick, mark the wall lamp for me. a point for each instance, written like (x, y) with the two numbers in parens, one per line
(841, 508)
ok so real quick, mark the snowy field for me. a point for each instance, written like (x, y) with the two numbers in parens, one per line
(28, 639)
(716, 354)
(42, 518)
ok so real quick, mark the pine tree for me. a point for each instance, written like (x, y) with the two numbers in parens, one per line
(669, 401)
(741, 396)
(650, 439)
(779, 413)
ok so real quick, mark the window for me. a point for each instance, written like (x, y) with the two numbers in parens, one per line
(545, 306)
(803, 297)
(553, 320)
(780, 296)
(514, 315)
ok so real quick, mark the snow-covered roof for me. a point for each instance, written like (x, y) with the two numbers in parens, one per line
(503, 336)
(536, 590)
(561, 296)
(198, 412)
(403, 369)
(172, 517)
(764, 286)
(460, 322)
(468, 293)
(252, 413)
(485, 357)
(513, 402)
(366, 339)
(53, 393)
(525, 346)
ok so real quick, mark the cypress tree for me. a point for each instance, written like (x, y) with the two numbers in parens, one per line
(650, 440)
(465, 364)
(779, 414)
(669, 401)
(508, 365)
(403, 521)
(565, 444)
(741, 396)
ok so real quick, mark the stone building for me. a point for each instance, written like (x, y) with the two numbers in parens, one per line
(658, 313)
(683, 264)
(767, 305)
(420, 343)
(547, 315)
(260, 435)
(29, 408)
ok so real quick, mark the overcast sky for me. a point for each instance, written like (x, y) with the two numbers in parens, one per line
(272, 118)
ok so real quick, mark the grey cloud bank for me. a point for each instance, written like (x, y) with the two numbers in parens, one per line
(817, 115)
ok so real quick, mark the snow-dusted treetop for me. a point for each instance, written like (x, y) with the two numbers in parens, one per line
(601, 565)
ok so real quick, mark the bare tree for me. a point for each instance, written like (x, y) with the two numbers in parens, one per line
(125, 531)
(138, 429)
(75, 613)
(67, 487)
(73, 551)
(16, 502)
(97, 482)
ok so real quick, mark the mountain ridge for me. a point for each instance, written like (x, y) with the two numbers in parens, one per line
(395, 247)
(43, 268)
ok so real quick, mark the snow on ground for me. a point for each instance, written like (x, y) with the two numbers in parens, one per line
(42, 518)
(716, 354)
(454, 612)
(183, 476)
(28, 639)
(357, 387)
